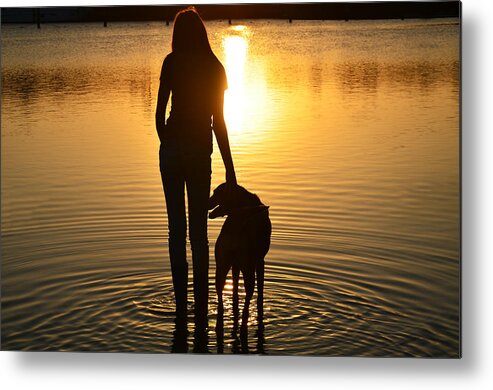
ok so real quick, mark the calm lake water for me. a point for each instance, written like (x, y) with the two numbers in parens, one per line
(348, 130)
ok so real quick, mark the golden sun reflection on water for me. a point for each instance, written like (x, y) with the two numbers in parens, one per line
(247, 106)
(236, 49)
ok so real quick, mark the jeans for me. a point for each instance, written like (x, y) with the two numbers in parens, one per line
(179, 168)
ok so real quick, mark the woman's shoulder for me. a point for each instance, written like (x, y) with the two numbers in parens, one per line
(217, 67)
(168, 62)
(218, 73)
(170, 57)
(217, 63)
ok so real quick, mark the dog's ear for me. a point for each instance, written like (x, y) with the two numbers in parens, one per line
(217, 196)
(219, 211)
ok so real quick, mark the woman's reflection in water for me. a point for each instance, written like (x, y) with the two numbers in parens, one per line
(180, 337)
(201, 340)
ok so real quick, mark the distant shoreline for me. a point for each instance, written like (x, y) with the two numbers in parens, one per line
(302, 11)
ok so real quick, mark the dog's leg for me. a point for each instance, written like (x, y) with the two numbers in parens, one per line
(222, 269)
(236, 282)
(220, 332)
(260, 289)
(249, 278)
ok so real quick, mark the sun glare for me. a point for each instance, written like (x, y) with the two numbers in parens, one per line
(236, 50)
(247, 107)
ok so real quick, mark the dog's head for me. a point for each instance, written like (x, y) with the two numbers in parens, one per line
(226, 200)
(221, 201)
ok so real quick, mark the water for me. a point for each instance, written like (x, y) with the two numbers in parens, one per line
(348, 130)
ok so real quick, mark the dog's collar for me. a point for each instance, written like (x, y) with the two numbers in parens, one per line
(249, 211)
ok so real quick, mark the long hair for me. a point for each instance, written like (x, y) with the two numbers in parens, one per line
(189, 33)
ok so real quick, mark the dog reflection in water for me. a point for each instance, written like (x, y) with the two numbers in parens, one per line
(241, 246)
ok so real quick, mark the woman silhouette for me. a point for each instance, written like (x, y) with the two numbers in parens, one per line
(196, 80)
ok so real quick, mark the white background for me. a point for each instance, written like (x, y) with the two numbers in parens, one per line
(88, 371)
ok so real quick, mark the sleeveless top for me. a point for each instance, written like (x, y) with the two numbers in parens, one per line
(196, 84)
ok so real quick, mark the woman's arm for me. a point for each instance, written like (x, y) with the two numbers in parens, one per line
(162, 101)
(219, 126)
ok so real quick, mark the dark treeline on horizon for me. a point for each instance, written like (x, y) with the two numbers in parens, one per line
(301, 11)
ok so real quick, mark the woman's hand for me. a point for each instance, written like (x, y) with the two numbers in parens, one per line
(231, 178)
(231, 184)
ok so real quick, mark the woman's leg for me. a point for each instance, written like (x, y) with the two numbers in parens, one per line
(172, 175)
(198, 181)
